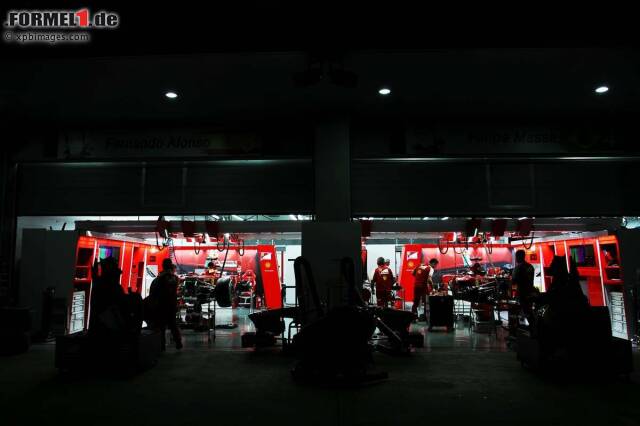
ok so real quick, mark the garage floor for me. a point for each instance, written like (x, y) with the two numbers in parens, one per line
(456, 379)
(461, 337)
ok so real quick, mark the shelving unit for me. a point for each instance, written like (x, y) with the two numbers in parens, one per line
(612, 283)
(77, 319)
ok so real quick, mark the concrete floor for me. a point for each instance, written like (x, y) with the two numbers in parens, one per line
(458, 378)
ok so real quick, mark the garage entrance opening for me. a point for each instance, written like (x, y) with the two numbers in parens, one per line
(470, 299)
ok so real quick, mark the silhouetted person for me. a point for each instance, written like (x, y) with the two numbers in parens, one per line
(522, 278)
(565, 319)
(108, 306)
(565, 294)
(163, 292)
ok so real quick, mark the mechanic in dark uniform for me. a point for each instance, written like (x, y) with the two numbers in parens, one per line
(163, 292)
(383, 281)
(106, 294)
(522, 279)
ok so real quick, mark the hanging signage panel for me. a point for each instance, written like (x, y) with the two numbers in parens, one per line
(157, 144)
(475, 140)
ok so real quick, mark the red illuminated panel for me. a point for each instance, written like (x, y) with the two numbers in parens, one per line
(136, 276)
(127, 257)
(85, 252)
(448, 262)
(269, 273)
(594, 287)
(190, 258)
(411, 258)
(156, 256)
(86, 242)
(547, 253)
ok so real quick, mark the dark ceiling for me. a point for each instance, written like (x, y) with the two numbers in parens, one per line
(247, 86)
(230, 64)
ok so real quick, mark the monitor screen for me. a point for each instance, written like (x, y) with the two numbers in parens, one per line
(584, 255)
(109, 251)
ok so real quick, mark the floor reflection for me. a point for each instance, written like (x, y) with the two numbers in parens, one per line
(232, 323)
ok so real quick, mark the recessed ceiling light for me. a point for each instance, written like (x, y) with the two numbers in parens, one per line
(171, 95)
(602, 89)
(384, 91)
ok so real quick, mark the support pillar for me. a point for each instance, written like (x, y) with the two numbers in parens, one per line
(333, 235)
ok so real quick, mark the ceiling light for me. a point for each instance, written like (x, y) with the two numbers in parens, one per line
(384, 91)
(602, 89)
(215, 217)
(171, 95)
(235, 216)
(445, 218)
(293, 217)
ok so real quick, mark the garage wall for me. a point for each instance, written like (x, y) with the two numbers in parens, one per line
(451, 187)
(292, 251)
(240, 187)
(455, 187)
(50, 263)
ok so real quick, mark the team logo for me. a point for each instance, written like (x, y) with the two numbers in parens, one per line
(410, 264)
(413, 255)
(267, 265)
(265, 255)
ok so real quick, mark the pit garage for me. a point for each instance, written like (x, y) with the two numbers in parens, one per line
(230, 267)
